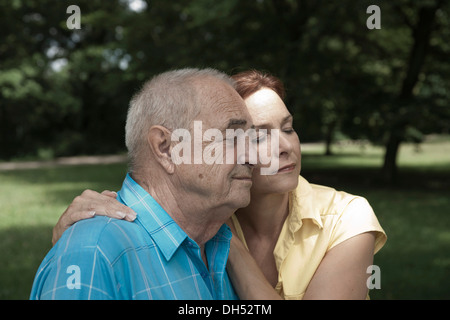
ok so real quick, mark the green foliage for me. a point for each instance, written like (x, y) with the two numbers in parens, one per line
(68, 90)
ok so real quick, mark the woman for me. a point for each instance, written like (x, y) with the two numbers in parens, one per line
(305, 241)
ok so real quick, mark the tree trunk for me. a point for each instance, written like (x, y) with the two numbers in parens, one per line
(329, 137)
(389, 172)
(421, 34)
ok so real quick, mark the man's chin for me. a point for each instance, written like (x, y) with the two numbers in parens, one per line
(244, 202)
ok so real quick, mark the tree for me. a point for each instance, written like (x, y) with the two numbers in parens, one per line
(422, 35)
(67, 90)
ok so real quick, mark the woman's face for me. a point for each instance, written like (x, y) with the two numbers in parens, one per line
(269, 112)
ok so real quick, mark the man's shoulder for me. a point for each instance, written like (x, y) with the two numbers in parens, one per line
(112, 236)
(85, 259)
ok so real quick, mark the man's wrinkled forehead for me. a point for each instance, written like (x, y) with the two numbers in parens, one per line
(221, 103)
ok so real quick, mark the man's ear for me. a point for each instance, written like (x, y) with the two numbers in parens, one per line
(159, 141)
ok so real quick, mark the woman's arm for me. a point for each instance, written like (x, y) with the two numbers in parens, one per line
(248, 280)
(342, 274)
(89, 204)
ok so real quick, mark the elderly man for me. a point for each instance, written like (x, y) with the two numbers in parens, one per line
(177, 247)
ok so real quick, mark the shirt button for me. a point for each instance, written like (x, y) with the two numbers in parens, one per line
(204, 274)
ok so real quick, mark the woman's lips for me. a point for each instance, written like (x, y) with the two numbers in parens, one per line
(288, 168)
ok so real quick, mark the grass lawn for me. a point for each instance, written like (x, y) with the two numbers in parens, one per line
(415, 213)
(31, 202)
(415, 262)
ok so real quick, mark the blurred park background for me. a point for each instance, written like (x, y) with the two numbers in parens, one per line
(371, 108)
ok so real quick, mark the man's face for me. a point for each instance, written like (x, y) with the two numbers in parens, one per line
(221, 182)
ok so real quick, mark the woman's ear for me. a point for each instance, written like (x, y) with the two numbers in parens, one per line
(160, 144)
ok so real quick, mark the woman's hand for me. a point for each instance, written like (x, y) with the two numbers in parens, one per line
(89, 204)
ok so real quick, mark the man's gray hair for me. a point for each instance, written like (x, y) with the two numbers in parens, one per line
(170, 99)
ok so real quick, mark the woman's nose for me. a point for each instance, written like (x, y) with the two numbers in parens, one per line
(285, 146)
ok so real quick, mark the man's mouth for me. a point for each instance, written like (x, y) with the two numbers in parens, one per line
(243, 178)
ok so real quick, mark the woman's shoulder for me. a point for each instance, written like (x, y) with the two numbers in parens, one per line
(329, 201)
(344, 214)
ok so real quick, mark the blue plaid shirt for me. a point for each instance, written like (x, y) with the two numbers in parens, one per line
(150, 258)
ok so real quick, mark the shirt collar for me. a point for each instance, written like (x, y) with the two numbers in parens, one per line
(165, 232)
(301, 206)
